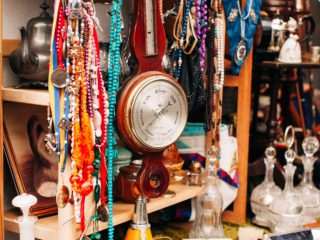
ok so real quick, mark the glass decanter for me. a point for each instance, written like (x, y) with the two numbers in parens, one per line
(263, 195)
(308, 192)
(209, 203)
(287, 210)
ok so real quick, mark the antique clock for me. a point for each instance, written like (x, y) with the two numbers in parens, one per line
(152, 107)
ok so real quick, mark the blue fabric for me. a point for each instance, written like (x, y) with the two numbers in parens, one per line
(56, 95)
(234, 29)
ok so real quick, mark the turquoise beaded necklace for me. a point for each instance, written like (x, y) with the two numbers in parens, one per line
(113, 86)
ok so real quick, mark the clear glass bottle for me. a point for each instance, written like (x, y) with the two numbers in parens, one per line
(286, 211)
(309, 193)
(263, 195)
(208, 222)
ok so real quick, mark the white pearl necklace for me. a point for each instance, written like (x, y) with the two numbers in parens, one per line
(220, 55)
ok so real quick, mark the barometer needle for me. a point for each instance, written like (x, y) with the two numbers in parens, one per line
(157, 115)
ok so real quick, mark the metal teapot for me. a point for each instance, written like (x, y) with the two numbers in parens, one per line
(30, 60)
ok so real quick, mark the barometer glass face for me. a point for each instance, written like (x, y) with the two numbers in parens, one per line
(159, 113)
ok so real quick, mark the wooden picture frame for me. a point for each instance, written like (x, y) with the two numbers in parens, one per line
(24, 145)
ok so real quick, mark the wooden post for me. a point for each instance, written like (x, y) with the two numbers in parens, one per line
(1, 134)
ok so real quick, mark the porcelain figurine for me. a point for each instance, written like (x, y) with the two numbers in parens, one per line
(291, 49)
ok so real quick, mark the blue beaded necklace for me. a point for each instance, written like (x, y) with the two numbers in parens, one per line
(178, 54)
(113, 86)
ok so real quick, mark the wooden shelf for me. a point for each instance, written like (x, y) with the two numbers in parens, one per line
(41, 97)
(28, 96)
(8, 45)
(46, 228)
(231, 81)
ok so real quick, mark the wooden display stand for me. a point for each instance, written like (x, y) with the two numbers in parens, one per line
(243, 83)
(48, 227)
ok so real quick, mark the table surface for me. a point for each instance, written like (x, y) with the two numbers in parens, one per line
(178, 231)
(305, 64)
(280, 65)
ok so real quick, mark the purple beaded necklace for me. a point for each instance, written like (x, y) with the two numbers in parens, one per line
(201, 28)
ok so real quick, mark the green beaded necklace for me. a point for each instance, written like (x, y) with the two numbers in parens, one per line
(113, 86)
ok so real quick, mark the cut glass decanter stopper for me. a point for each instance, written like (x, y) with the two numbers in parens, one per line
(286, 211)
(263, 195)
(310, 195)
(209, 203)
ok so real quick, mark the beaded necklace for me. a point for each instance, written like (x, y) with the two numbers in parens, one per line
(220, 49)
(215, 70)
(79, 91)
(58, 141)
(98, 102)
(201, 9)
(113, 86)
(180, 34)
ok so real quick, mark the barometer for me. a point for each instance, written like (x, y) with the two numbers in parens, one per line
(152, 107)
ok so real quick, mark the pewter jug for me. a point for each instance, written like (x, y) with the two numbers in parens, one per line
(30, 60)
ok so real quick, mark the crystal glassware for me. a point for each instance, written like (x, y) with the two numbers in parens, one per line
(264, 194)
(309, 194)
(287, 209)
(209, 203)
(26, 222)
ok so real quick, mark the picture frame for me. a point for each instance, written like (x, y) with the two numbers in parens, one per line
(33, 169)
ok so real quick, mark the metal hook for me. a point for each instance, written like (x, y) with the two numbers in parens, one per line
(68, 220)
(85, 230)
(94, 17)
(170, 12)
(97, 22)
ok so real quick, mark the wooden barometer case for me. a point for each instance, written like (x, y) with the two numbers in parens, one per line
(152, 107)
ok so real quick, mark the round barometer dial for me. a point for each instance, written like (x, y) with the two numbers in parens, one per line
(155, 113)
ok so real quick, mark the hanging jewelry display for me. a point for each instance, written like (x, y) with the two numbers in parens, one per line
(241, 27)
(79, 106)
(189, 54)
